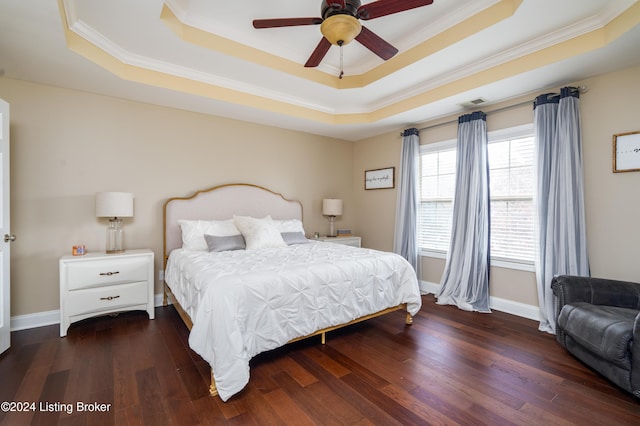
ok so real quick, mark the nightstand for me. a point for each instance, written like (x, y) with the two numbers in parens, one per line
(98, 283)
(348, 241)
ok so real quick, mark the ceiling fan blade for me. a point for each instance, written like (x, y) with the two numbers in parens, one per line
(318, 54)
(380, 8)
(375, 44)
(336, 3)
(285, 22)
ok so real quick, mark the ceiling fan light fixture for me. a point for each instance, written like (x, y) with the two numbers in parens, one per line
(340, 29)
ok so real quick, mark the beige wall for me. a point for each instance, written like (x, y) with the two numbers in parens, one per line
(375, 208)
(612, 200)
(67, 145)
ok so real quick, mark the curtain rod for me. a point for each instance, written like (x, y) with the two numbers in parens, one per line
(488, 113)
(581, 89)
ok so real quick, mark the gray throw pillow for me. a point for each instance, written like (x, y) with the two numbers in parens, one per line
(233, 242)
(294, 238)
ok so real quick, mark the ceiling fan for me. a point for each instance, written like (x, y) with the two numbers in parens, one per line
(340, 24)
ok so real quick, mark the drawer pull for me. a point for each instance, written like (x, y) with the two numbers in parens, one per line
(109, 273)
(109, 298)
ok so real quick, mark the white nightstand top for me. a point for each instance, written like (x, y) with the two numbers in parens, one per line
(99, 254)
(326, 237)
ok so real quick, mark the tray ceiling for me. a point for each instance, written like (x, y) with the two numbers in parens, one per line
(205, 56)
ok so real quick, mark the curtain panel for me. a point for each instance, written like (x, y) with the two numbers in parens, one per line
(465, 281)
(405, 242)
(561, 246)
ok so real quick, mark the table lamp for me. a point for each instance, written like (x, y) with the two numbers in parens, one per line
(115, 206)
(332, 207)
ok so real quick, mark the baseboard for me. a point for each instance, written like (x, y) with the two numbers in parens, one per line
(159, 299)
(503, 305)
(515, 308)
(40, 319)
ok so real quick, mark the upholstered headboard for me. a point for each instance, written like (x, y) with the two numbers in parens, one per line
(222, 202)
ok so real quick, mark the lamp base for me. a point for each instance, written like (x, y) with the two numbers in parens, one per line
(115, 236)
(332, 226)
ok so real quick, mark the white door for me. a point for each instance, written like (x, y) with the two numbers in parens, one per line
(5, 232)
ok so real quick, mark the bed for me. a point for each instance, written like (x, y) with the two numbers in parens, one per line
(240, 296)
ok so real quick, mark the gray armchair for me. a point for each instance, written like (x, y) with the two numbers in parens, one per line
(598, 322)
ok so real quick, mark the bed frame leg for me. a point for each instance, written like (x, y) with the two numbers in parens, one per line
(323, 338)
(164, 294)
(409, 319)
(213, 391)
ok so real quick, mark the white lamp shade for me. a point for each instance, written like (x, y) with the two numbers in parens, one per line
(332, 207)
(114, 204)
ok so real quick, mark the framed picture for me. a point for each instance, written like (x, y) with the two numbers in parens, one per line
(626, 152)
(380, 178)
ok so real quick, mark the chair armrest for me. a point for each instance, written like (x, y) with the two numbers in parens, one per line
(597, 291)
(635, 358)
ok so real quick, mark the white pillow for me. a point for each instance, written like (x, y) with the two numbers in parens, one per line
(193, 232)
(259, 233)
(289, 225)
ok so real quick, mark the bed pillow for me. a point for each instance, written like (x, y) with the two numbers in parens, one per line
(294, 238)
(193, 232)
(289, 225)
(232, 242)
(259, 233)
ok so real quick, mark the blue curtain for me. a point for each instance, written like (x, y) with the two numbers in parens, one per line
(561, 227)
(405, 241)
(465, 282)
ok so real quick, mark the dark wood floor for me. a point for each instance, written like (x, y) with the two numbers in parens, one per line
(450, 367)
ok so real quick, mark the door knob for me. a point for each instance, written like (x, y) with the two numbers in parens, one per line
(8, 238)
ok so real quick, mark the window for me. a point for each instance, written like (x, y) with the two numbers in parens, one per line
(437, 187)
(511, 189)
(511, 180)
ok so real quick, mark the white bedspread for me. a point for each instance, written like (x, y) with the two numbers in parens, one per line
(243, 303)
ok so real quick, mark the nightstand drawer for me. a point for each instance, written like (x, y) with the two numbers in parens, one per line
(108, 298)
(106, 272)
(347, 241)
